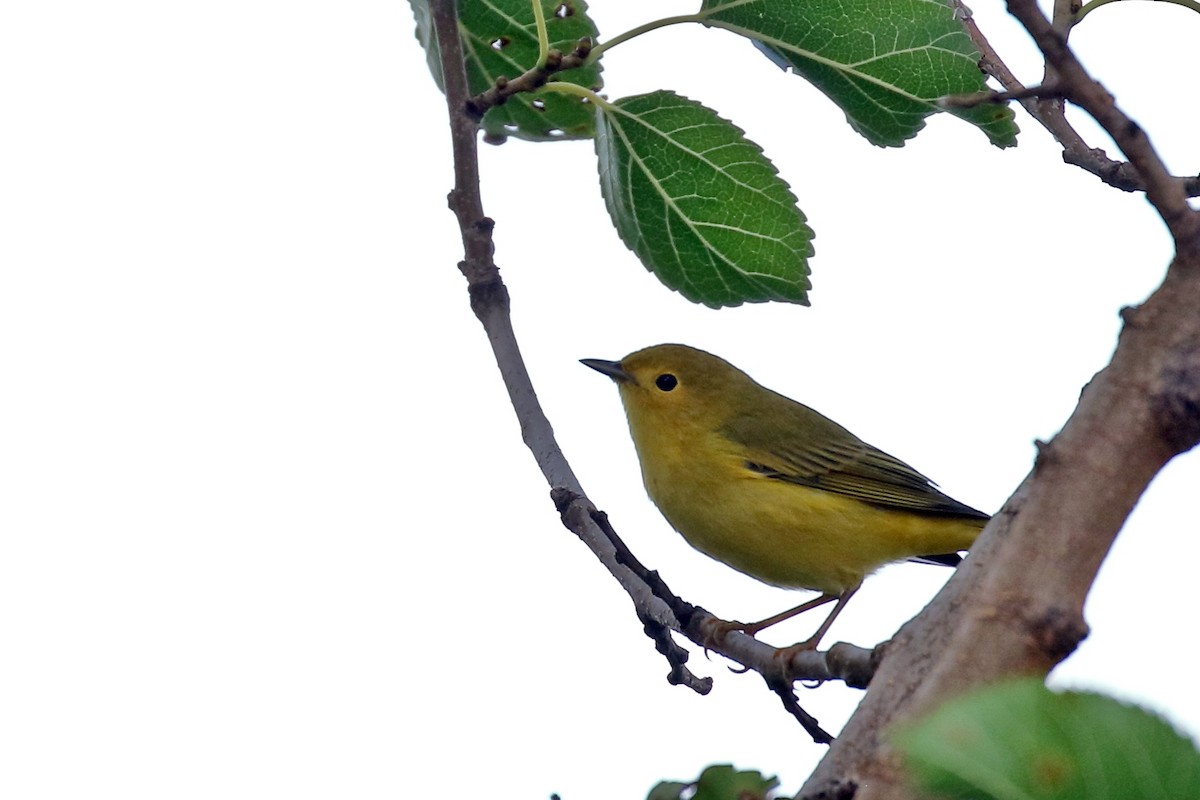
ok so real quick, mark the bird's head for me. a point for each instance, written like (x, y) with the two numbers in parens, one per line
(674, 383)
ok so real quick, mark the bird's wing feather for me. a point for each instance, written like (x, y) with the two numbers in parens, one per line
(815, 451)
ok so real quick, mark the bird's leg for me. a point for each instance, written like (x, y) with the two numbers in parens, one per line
(753, 628)
(715, 630)
(811, 642)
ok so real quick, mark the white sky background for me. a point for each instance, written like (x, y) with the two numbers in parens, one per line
(268, 527)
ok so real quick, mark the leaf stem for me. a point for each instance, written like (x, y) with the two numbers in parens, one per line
(565, 87)
(1090, 7)
(539, 17)
(640, 29)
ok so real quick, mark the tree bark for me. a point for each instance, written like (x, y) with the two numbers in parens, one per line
(1016, 605)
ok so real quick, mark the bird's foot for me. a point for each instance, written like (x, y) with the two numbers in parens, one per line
(785, 654)
(713, 631)
(784, 657)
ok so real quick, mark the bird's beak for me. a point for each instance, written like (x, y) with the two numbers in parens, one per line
(610, 368)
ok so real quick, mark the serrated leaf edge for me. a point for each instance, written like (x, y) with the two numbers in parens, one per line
(613, 110)
(846, 69)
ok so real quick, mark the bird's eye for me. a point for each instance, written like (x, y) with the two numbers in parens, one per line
(666, 381)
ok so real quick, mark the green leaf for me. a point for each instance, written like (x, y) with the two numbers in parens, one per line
(668, 790)
(1020, 741)
(723, 782)
(699, 203)
(718, 782)
(500, 40)
(885, 62)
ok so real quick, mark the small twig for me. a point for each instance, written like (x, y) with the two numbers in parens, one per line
(532, 80)
(489, 301)
(783, 688)
(1164, 192)
(676, 656)
(983, 98)
(850, 662)
(682, 610)
(1049, 113)
(569, 505)
(845, 662)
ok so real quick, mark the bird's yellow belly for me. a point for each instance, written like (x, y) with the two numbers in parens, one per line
(791, 535)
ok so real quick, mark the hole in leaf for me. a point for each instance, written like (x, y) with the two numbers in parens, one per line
(500, 42)
(556, 132)
(539, 105)
(564, 10)
(510, 128)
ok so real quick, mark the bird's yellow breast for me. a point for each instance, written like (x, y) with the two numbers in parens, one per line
(778, 532)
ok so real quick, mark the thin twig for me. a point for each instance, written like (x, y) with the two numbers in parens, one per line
(1050, 115)
(489, 301)
(984, 98)
(531, 80)
(1164, 192)
(660, 610)
(676, 656)
(844, 662)
(787, 695)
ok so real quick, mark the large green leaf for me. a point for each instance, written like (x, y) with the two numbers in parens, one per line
(699, 203)
(500, 40)
(885, 62)
(1020, 741)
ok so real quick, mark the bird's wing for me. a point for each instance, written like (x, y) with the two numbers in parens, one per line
(817, 452)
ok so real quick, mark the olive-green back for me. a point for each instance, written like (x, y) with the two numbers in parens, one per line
(791, 442)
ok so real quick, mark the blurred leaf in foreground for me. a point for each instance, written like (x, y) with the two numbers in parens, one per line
(1021, 740)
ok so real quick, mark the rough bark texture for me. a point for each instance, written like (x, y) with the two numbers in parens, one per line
(1016, 605)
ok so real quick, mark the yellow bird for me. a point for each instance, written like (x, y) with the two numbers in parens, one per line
(773, 488)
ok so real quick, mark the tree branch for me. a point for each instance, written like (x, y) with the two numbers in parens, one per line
(1040, 91)
(489, 301)
(845, 662)
(1163, 191)
(657, 607)
(1004, 613)
(1050, 115)
(529, 81)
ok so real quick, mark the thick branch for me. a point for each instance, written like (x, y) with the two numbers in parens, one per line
(1015, 605)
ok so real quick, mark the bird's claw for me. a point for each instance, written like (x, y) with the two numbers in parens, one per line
(713, 631)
